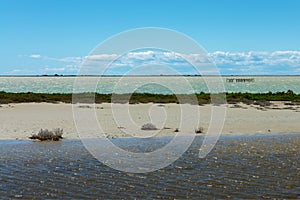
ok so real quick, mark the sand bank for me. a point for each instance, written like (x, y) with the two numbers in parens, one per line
(19, 121)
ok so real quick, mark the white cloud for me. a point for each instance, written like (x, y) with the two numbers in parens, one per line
(54, 69)
(276, 58)
(252, 62)
(101, 57)
(72, 59)
(18, 72)
(66, 59)
(35, 56)
(65, 69)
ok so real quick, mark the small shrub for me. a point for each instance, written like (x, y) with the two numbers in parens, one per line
(84, 106)
(46, 135)
(199, 130)
(148, 126)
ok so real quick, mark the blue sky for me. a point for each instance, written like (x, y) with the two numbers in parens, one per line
(243, 37)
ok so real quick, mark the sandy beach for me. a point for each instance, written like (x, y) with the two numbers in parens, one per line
(19, 121)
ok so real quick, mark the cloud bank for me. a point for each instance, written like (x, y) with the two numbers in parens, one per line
(229, 63)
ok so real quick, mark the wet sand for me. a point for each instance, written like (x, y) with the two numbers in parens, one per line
(19, 121)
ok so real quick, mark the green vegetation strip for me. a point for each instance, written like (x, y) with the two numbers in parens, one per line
(203, 98)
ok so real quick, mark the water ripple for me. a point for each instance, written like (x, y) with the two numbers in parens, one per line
(265, 166)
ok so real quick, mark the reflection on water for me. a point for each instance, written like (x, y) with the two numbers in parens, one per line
(243, 167)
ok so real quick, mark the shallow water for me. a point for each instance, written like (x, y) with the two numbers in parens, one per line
(261, 166)
(106, 84)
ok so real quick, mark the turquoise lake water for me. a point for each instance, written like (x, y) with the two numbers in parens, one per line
(150, 84)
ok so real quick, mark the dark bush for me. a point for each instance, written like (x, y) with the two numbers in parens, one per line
(46, 135)
(199, 130)
(149, 126)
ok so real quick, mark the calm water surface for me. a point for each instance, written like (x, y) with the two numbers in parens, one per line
(106, 84)
(263, 166)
